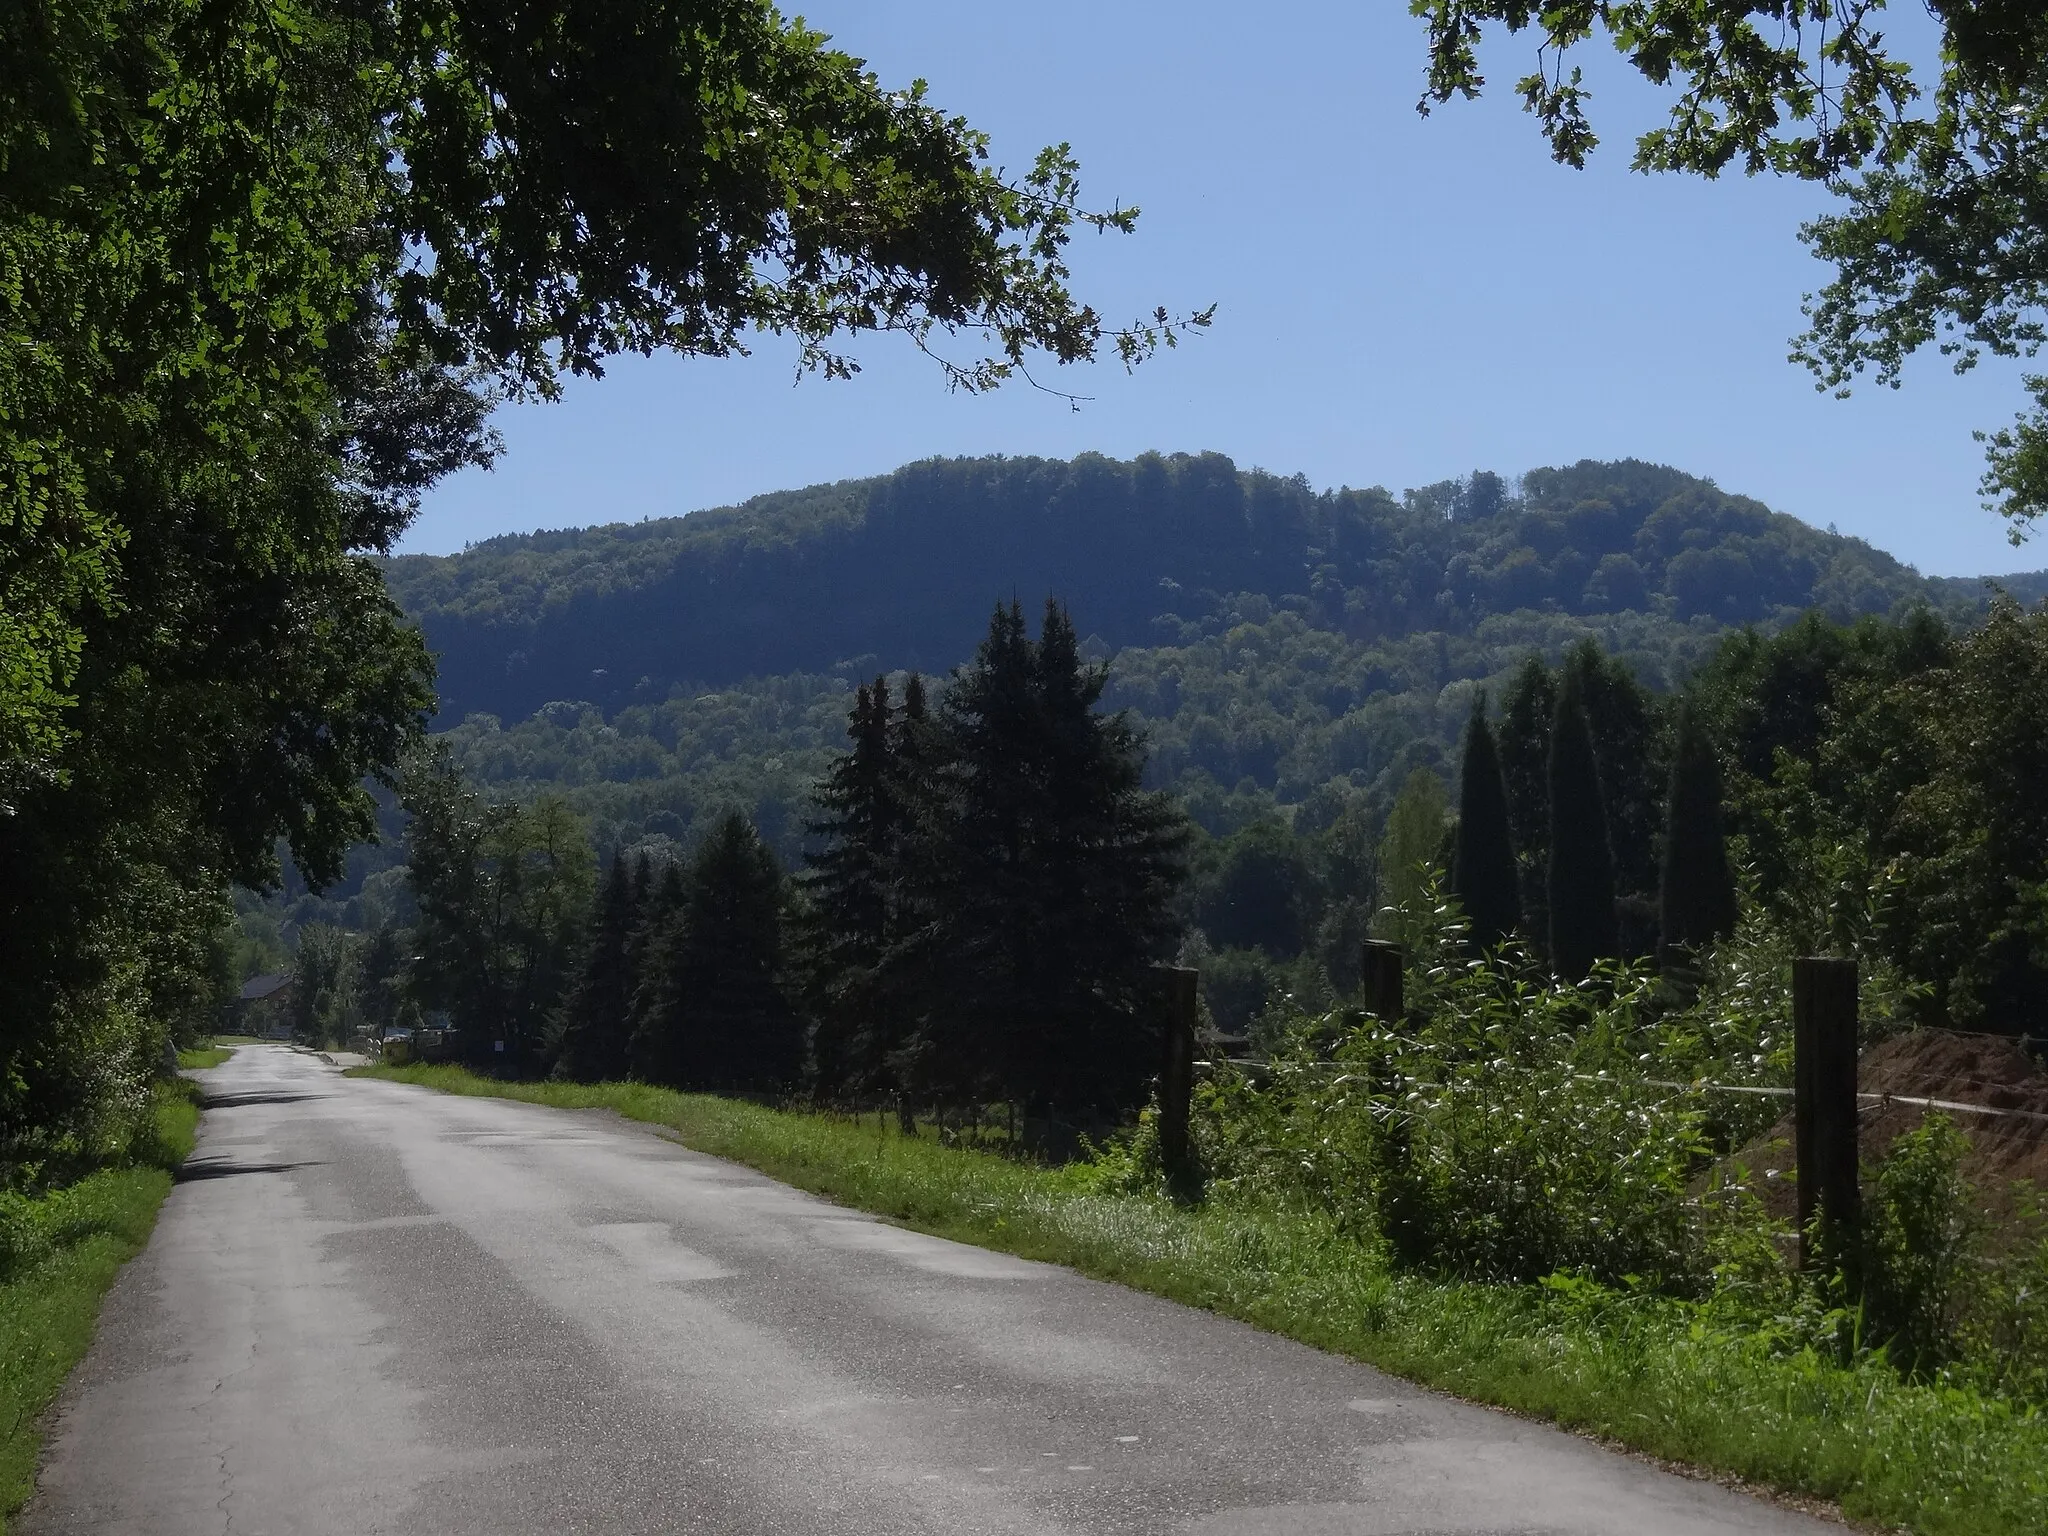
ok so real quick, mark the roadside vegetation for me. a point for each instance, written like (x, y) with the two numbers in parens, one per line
(1803, 1406)
(1552, 1175)
(64, 1235)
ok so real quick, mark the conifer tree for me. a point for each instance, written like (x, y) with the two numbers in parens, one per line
(1055, 872)
(1581, 884)
(597, 1016)
(1698, 894)
(655, 936)
(720, 1018)
(1483, 872)
(846, 927)
(1527, 710)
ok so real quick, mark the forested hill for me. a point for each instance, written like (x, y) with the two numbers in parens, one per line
(900, 571)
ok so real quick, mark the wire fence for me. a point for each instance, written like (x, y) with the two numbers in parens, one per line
(1253, 1065)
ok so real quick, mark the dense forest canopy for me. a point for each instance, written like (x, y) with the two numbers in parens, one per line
(898, 571)
(1317, 647)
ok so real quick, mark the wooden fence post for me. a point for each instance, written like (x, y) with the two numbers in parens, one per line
(1824, 1111)
(1380, 965)
(1177, 1067)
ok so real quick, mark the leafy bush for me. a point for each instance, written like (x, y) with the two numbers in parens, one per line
(1920, 1237)
(2005, 1334)
(1517, 1128)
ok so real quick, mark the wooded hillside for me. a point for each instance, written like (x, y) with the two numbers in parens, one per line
(900, 571)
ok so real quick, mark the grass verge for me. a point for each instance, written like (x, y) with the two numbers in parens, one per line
(1646, 1372)
(201, 1057)
(65, 1248)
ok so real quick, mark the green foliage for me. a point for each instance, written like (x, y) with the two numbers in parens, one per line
(503, 893)
(1237, 985)
(597, 1016)
(1698, 895)
(718, 1017)
(1484, 876)
(60, 1247)
(1515, 1127)
(1580, 884)
(265, 268)
(2005, 1335)
(1883, 785)
(862, 897)
(1919, 1237)
(1256, 889)
(1053, 874)
(1411, 849)
(1331, 598)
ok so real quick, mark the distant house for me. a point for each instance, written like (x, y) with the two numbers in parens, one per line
(264, 1007)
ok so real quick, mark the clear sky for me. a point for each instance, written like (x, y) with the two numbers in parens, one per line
(1398, 300)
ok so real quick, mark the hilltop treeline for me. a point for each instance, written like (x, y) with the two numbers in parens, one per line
(1325, 646)
(896, 572)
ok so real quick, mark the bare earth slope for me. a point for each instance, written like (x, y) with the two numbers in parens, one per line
(370, 1308)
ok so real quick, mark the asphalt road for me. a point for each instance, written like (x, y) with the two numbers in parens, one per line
(370, 1308)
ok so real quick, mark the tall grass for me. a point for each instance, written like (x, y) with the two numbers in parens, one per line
(1672, 1377)
(59, 1251)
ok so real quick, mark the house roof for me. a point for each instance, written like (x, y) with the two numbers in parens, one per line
(257, 987)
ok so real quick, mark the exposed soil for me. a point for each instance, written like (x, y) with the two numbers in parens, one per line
(1989, 1070)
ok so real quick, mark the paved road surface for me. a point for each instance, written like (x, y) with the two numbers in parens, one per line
(370, 1308)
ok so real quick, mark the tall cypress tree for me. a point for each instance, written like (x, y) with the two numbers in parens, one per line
(1528, 707)
(1697, 903)
(1581, 884)
(597, 1015)
(1483, 872)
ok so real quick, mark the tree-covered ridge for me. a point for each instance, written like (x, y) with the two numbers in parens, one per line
(897, 571)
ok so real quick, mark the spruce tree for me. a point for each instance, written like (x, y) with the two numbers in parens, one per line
(846, 926)
(1581, 884)
(1697, 903)
(720, 1018)
(655, 938)
(597, 1015)
(1483, 872)
(1056, 873)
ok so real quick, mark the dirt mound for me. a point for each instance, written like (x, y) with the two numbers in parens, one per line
(1988, 1070)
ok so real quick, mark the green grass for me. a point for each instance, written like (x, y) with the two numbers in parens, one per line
(201, 1057)
(1645, 1372)
(50, 1303)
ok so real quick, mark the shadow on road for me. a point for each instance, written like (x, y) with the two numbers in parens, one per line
(237, 1100)
(191, 1172)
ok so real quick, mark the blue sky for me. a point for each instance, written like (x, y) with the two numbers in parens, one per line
(1398, 300)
